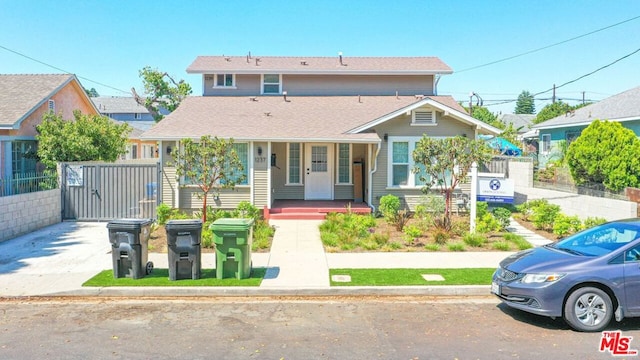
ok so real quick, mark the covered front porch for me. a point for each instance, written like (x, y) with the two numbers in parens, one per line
(313, 209)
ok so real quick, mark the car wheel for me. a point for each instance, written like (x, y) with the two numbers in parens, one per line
(588, 309)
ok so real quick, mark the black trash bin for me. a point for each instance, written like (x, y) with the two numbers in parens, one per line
(184, 250)
(129, 240)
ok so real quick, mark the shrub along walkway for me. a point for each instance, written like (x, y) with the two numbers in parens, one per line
(530, 236)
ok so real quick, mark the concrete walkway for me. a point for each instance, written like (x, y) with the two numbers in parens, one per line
(297, 258)
(530, 236)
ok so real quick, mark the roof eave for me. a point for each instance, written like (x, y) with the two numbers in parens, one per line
(323, 72)
(585, 123)
(274, 139)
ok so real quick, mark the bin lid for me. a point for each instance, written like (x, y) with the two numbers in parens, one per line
(183, 224)
(231, 224)
(128, 224)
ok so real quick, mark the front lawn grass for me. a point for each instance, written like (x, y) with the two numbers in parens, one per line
(160, 277)
(410, 277)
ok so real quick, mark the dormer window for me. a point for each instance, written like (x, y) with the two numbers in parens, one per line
(271, 84)
(423, 117)
(224, 80)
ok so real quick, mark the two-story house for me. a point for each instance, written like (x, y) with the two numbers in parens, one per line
(125, 109)
(315, 128)
(24, 99)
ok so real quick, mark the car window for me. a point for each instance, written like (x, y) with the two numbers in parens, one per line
(599, 240)
(632, 255)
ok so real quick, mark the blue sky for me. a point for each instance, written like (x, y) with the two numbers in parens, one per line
(107, 42)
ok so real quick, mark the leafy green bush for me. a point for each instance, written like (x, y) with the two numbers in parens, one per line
(544, 215)
(262, 234)
(164, 212)
(475, 240)
(502, 216)
(593, 221)
(411, 233)
(389, 207)
(348, 230)
(564, 225)
(487, 224)
(248, 210)
(482, 208)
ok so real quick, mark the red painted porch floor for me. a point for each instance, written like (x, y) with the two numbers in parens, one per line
(313, 209)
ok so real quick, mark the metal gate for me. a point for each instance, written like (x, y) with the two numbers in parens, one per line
(104, 191)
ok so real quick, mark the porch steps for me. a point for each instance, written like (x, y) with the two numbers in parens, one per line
(310, 213)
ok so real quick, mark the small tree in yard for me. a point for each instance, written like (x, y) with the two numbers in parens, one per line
(212, 164)
(605, 153)
(85, 138)
(446, 162)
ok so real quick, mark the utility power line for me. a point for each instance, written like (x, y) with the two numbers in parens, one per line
(548, 46)
(64, 71)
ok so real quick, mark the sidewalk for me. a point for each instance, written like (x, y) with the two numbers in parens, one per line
(56, 261)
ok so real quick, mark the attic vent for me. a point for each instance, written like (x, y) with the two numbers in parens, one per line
(208, 77)
(303, 63)
(424, 117)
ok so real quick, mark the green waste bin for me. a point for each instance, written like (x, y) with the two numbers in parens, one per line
(233, 238)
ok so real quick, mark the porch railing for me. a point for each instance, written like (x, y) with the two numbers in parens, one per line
(28, 183)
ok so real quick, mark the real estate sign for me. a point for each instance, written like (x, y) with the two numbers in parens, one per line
(495, 190)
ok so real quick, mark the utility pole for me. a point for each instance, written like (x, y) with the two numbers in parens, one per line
(583, 98)
(553, 98)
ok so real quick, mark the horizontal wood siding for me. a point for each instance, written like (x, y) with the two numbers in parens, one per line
(281, 191)
(401, 126)
(168, 186)
(246, 85)
(260, 188)
(343, 192)
(331, 85)
(229, 199)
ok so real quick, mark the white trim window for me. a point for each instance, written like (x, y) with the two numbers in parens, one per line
(224, 81)
(294, 164)
(400, 163)
(271, 84)
(343, 154)
(52, 106)
(546, 143)
(423, 117)
(137, 116)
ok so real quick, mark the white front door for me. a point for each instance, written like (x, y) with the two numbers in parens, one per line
(318, 172)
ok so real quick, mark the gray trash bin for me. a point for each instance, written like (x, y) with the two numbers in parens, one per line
(130, 247)
(184, 250)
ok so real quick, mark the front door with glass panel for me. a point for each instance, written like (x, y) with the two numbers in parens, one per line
(318, 170)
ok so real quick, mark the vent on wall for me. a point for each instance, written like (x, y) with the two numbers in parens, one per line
(208, 77)
(424, 117)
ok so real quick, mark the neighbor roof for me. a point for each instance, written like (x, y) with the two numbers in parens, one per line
(621, 107)
(519, 121)
(271, 118)
(21, 94)
(118, 105)
(319, 65)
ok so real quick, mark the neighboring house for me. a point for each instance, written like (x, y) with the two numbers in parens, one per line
(315, 128)
(24, 99)
(522, 123)
(623, 108)
(125, 109)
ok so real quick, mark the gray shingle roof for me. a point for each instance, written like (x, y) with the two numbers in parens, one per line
(318, 65)
(118, 105)
(20, 94)
(312, 118)
(523, 121)
(620, 107)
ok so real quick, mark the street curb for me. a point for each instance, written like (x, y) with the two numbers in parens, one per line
(150, 291)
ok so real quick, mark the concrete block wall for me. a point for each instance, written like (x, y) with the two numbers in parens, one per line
(583, 206)
(21, 214)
